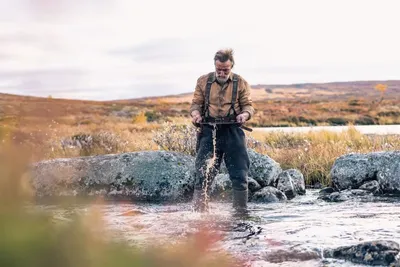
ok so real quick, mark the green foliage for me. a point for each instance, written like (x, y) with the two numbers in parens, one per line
(354, 102)
(152, 116)
(300, 120)
(337, 121)
(365, 120)
(389, 114)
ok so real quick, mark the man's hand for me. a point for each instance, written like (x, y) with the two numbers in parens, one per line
(243, 117)
(196, 116)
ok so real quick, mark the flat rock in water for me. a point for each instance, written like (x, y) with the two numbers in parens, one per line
(384, 253)
(346, 195)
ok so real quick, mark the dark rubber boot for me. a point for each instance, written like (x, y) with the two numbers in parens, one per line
(199, 203)
(240, 199)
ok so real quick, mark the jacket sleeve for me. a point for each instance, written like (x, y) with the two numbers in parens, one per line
(245, 100)
(198, 98)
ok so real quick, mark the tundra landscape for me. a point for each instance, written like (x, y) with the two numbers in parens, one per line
(56, 128)
(34, 129)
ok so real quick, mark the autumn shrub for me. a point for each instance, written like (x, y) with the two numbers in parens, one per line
(177, 137)
(101, 142)
(139, 118)
(183, 137)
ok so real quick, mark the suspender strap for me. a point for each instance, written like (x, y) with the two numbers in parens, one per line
(208, 90)
(207, 96)
(234, 94)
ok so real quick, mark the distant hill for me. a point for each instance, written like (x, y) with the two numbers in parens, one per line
(353, 88)
(337, 103)
(314, 91)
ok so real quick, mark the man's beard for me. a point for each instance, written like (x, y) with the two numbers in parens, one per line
(222, 80)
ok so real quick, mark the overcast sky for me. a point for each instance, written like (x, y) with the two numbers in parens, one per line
(118, 49)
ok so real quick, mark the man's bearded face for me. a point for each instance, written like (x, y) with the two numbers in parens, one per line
(222, 70)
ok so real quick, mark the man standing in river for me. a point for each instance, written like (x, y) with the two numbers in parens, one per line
(221, 104)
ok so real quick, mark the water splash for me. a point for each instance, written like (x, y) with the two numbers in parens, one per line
(210, 164)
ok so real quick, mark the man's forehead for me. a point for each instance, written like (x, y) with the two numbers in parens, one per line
(226, 64)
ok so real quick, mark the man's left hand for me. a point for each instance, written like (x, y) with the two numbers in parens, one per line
(243, 117)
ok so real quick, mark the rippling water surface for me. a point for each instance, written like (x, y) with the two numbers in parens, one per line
(278, 234)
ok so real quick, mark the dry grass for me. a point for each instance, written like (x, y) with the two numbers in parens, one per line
(314, 153)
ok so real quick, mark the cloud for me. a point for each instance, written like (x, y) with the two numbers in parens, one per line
(103, 49)
(18, 38)
(154, 51)
(78, 84)
(5, 56)
(42, 41)
(39, 82)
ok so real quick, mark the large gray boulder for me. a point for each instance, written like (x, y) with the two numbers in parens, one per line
(141, 176)
(292, 183)
(263, 169)
(351, 171)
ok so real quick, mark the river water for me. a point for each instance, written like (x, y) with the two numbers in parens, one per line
(291, 233)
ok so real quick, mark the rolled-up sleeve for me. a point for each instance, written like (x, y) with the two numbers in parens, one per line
(245, 100)
(198, 98)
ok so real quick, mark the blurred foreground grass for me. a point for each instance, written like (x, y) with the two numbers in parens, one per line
(31, 237)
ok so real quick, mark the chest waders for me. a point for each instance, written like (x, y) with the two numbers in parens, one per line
(230, 146)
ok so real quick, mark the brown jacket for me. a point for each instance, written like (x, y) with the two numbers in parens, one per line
(221, 97)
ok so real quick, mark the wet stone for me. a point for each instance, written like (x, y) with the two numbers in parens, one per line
(371, 186)
(384, 253)
(345, 195)
(268, 194)
(326, 191)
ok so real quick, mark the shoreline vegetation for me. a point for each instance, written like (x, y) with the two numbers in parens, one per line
(313, 153)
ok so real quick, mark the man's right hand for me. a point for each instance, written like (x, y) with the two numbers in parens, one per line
(196, 117)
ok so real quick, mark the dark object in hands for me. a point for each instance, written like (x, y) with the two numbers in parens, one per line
(228, 122)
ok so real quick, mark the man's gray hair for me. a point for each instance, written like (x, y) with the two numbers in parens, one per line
(224, 55)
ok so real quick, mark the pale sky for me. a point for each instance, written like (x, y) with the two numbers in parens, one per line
(121, 49)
